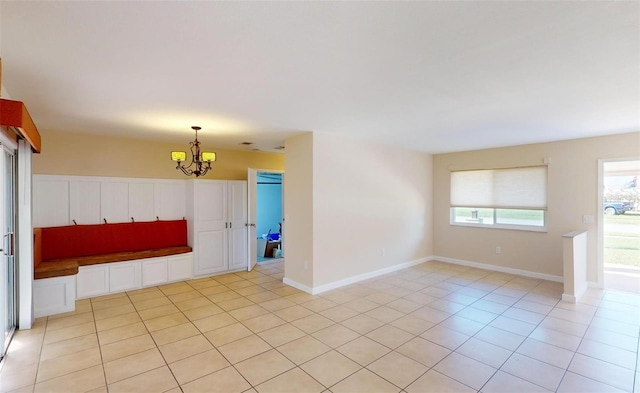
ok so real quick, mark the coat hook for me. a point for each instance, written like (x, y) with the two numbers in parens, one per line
(105, 220)
(132, 220)
(74, 222)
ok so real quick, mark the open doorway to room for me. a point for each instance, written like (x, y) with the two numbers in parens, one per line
(269, 216)
(266, 205)
(621, 225)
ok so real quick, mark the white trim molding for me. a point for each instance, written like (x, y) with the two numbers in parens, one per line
(502, 269)
(297, 285)
(354, 279)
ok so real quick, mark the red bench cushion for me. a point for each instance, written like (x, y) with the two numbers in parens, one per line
(85, 240)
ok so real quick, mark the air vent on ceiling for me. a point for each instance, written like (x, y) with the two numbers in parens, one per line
(246, 143)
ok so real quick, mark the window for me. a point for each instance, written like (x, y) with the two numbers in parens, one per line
(513, 198)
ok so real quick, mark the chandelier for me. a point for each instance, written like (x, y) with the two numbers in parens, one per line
(202, 161)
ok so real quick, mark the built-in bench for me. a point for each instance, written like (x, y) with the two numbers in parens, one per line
(59, 251)
(106, 258)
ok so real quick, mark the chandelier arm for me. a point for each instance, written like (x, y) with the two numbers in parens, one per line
(193, 157)
(184, 170)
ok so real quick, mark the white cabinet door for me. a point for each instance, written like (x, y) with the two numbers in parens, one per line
(92, 281)
(50, 202)
(211, 204)
(237, 209)
(211, 252)
(154, 271)
(210, 227)
(114, 201)
(141, 202)
(124, 276)
(170, 200)
(84, 202)
(180, 267)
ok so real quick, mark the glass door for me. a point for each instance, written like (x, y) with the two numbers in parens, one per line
(7, 259)
(621, 225)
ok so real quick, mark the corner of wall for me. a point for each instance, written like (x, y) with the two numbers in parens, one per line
(298, 212)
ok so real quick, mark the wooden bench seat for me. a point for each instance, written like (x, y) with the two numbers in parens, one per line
(69, 266)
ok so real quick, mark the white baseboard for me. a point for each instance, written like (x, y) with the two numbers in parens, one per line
(354, 279)
(297, 285)
(502, 269)
(365, 276)
(575, 298)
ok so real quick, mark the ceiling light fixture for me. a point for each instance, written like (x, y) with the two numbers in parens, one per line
(202, 161)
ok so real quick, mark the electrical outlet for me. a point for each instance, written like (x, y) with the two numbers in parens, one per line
(587, 219)
(306, 265)
(383, 252)
(498, 249)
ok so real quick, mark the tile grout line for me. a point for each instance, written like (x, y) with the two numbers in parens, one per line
(95, 324)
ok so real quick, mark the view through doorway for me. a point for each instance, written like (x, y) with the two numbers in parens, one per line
(269, 216)
(621, 225)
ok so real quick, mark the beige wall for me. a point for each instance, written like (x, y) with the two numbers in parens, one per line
(347, 199)
(298, 210)
(572, 193)
(368, 197)
(99, 155)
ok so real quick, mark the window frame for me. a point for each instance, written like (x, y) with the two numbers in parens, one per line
(494, 225)
(465, 193)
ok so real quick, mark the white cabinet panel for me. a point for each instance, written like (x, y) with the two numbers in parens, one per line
(58, 200)
(170, 201)
(54, 295)
(180, 267)
(84, 202)
(218, 230)
(50, 202)
(92, 281)
(211, 252)
(237, 200)
(154, 271)
(124, 276)
(237, 248)
(237, 208)
(211, 203)
(141, 201)
(114, 202)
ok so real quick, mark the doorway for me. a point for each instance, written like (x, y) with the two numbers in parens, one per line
(8, 274)
(621, 225)
(266, 205)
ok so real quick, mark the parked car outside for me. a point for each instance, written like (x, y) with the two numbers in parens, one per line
(612, 208)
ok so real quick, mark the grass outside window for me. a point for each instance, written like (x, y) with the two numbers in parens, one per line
(519, 219)
(622, 239)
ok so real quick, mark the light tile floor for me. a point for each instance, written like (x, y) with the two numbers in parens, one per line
(433, 327)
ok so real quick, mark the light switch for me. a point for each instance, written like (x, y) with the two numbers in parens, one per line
(587, 219)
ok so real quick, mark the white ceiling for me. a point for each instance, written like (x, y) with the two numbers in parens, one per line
(434, 76)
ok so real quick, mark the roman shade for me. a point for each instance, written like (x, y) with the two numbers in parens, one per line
(511, 188)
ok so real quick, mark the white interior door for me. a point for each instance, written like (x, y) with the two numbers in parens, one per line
(252, 180)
